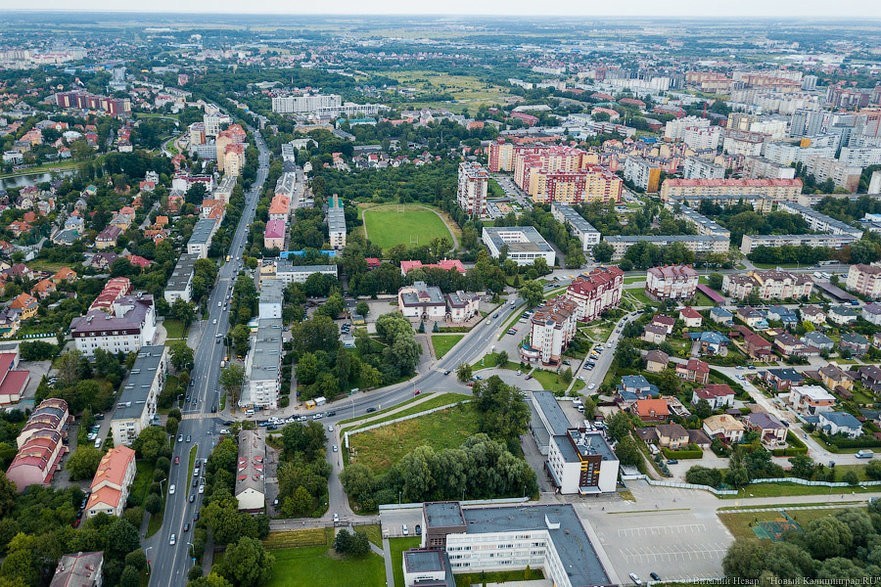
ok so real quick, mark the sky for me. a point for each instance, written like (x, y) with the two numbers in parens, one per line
(705, 8)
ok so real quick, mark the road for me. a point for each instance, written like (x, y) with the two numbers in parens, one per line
(171, 563)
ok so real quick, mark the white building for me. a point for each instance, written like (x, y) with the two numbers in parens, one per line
(671, 282)
(552, 328)
(471, 193)
(701, 138)
(865, 280)
(422, 302)
(644, 174)
(263, 367)
(130, 325)
(578, 226)
(180, 284)
(523, 244)
(271, 298)
(336, 223)
(675, 129)
(832, 241)
(200, 239)
(137, 402)
(697, 243)
(582, 462)
(694, 168)
(111, 483)
(289, 273)
(819, 221)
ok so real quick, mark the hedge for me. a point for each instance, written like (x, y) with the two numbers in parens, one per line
(843, 443)
(796, 447)
(689, 453)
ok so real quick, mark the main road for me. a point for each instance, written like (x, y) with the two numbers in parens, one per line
(170, 563)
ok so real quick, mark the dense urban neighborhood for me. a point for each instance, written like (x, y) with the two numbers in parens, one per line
(434, 301)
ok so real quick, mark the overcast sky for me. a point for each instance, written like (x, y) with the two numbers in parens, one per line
(746, 8)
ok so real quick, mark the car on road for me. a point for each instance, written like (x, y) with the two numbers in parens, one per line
(336, 518)
(173, 540)
(187, 527)
(171, 489)
(331, 414)
(176, 460)
(592, 386)
(446, 371)
(417, 392)
(98, 442)
(335, 448)
(189, 438)
(201, 489)
(192, 497)
(317, 416)
(370, 410)
(180, 437)
(330, 427)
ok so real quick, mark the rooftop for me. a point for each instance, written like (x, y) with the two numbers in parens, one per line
(140, 379)
(443, 514)
(249, 467)
(266, 352)
(548, 407)
(202, 231)
(521, 239)
(182, 273)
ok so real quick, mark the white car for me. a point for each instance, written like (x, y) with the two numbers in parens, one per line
(335, 448)
(330, 428)
(201, 489)
(173, 539)
(592, 386)
(171, 489)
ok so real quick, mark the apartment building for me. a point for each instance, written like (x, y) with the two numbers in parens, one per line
(762, 168)
(130, 325)
(702, 139)
(523, 244)
(136, 406)
(595, 292)
(777, 189)
(745, 144)
(271, 298)
(180, 284)
(675, 129)
(263, 367)
(671, 282)
(865, 280)
(701, 244)
(471, 193)
(83, 569)
(768, 285)
(694, 168)
(828, 168)
(40, 445)
(642, 173)
(704, 226)
(200, 239)
(818, 221)
(552, 328)
(832, 241)
(336, 223)
(288, 273)
(111, 483)
(500, 157)
(578, 226)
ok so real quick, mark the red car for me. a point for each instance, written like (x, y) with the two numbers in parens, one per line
(417, 392)
(176, 460)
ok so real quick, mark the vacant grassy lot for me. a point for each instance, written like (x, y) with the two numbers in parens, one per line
(442, 343)
(398, 546)
(552, 382)
(392, 225)
(466, 92)
(435, 401)
(318, 565)
(379, 449)
(175, 329)
(740, 524)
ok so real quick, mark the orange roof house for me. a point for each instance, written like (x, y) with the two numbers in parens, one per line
(651, 409)
(43, 289)
(64, 274)
(27, 303)
(111, 483)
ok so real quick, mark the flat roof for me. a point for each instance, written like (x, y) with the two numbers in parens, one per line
(285, 266)
(202, 231)
(574, 548)
(182, 272)
(590, 443)
(548, 406)
(443, 514)
(670, 238)
(271, 291)
(137, 386)
(517, 238)
(266, 354)
(574, 218)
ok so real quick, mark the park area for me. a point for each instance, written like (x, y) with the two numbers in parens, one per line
(306, 557)
(402, 224)
(464, 91)
(381, 448)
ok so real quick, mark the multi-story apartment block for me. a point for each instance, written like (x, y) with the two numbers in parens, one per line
(768, 285)
(675, 129)
(819, 221)
(578, 226)
(111, 483)
(762, 168)
(553, 326)
(704, 225)
(831, 241)
(778, 189)
(865, 280)
(671, 282)
(82, 100)
(702, 139)
(137, 403)
(747, 144)
(564, 174)
(473, 182)
(582, 462)
(322, 106)
(697, 243)
(644, 174)
(130, 324)
(842, 175)
(263, 367)
(595, 292)
(501, 157)
(336, 222)
(694, 168)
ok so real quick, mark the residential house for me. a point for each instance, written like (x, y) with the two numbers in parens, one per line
(40, 445)
(107, 238)
(722, 316)
(833, 423)
(656, 361)
(710, 342)
(755, 346)
(855, 344)
(654, 334)
(782, 379)
(699, 438)
(651, 410)
(789, 346)
(694, 370)
(672, 436)
(666, 322)
(782, 314)
(638, 387)
(811, 399)
(813, 314)
(250, 489)
(872, 313)
(12, 380)
(718, 395)
(833, 377)
(110, 485)
(691, 317)
(19, 227)
(26, 304)
(771, 430)
(876, 340)
(870, 377)
(819, 341)
(553, 326)
(842, 315)
(10, 322)
(752, 317)
(43, 288)
(725, 427)
(64, 275)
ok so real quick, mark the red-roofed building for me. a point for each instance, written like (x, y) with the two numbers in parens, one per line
(666, 322)
(694, 370)
(444, 265)
(139, 261)
(372, 262)
(27, 304)
(113, 290)
(111, 483)
(529, 119)
(671, 282)
(691, 317)
(40, 445)
(651, 410)
(64, 274)
(718, 395)
(43, 288)
(754, 345)
(12, 380)
(596, 291)
(273, 234)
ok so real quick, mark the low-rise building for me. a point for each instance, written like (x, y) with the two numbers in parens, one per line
(671, 282)
(12, 379)
(422, 302)
(250, 490)
(140, 393)
(694, 370)
(110, 485)
(274, 234)
(833, 377)
(690, 317)
(40, 445)
(523, 244)
(818, 340)
(200, 239)
(813, 314)
(718, 395)
(855, 344)
(811, 399)
(842, 314)
(672, 436)
(771, 430)
(131, 325)
(832, 423)
(782, 379)
(84, 569)
(651, 410)
(656, 361)
(578, 226)
(725, 427)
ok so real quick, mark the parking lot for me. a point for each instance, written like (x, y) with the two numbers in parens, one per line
(678, 543)
(393, 521)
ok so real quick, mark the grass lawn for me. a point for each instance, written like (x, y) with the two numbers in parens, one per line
(174, 328)
(373, 531)
(499, 577)
(143, 479)
(378, 413)
(789, 489)
(437, 401)
(318, 565)
(397, 547)
(379, 449)
(442, 343)
(468, 92)
(702, 300)
(388, 226)
(550, 381)
(634, 279)
(640, 296)
(740, 524)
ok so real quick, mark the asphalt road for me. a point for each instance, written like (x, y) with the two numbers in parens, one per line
(171, 563)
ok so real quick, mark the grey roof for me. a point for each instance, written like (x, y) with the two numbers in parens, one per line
(817, 338)
(787, 373)
(808, 212)
(841, 419)
(76, 570)
(249, 469)
(665, 239)
(271, 291)
(266, 353)
(546, 403)
(574, 219)
(571, 542)
(443, 514)
(591, 443)
(336, 215)
(285, 266)
(97, 320)
(136, 387)
(699, 219)
(182, 273)
(764, 421)
(202, 231)
(423, 295)
(534, 241)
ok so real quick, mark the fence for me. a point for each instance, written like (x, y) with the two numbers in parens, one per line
(679, 485)
(799, 481)
(476, 502)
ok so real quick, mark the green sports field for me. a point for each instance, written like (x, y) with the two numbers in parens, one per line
(391, 225)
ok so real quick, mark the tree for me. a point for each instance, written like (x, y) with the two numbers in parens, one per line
(7, 495)
(231, 379)
(803, 466)
(151, 443)
(532, 292)
(362, 308)
(501, 412)
(210, 580)
(603, 252)
(351, 544)
(714, 280)
(703, 476)
(183, 311)
(702, 409)
(68, 367)
(153, 503)
(827, 538)
(246, 563)
(618, 426)
(84, 461)
(130, 577)
(463, 372)
(873, 470)
(628, 452)
(182, 356)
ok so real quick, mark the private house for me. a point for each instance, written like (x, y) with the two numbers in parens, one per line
(754, 345)
(710, 342)
(813, 314)
(782, 379)
(665, 322)
(651, 410)
(656, 361)
(26, 304)
(462, 306)
(43, 288)
(782, 314)
(64, 275)
(842, 315)
(672, 436)
(694, 370)
(691, 317)
(870, 377)
(654, 334)
(872, 313)
(107, 238)
(811, 399)
(833, 377)
(699, 438)
(250, 490)
(819, 341)
(724, 427)
(771, 430)
(722, 316)
(788, 345)
(422, 302)
(752, 317)
(718, 395)
(855, 344)
(110, 485)
(635, 387)
(833, 423)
